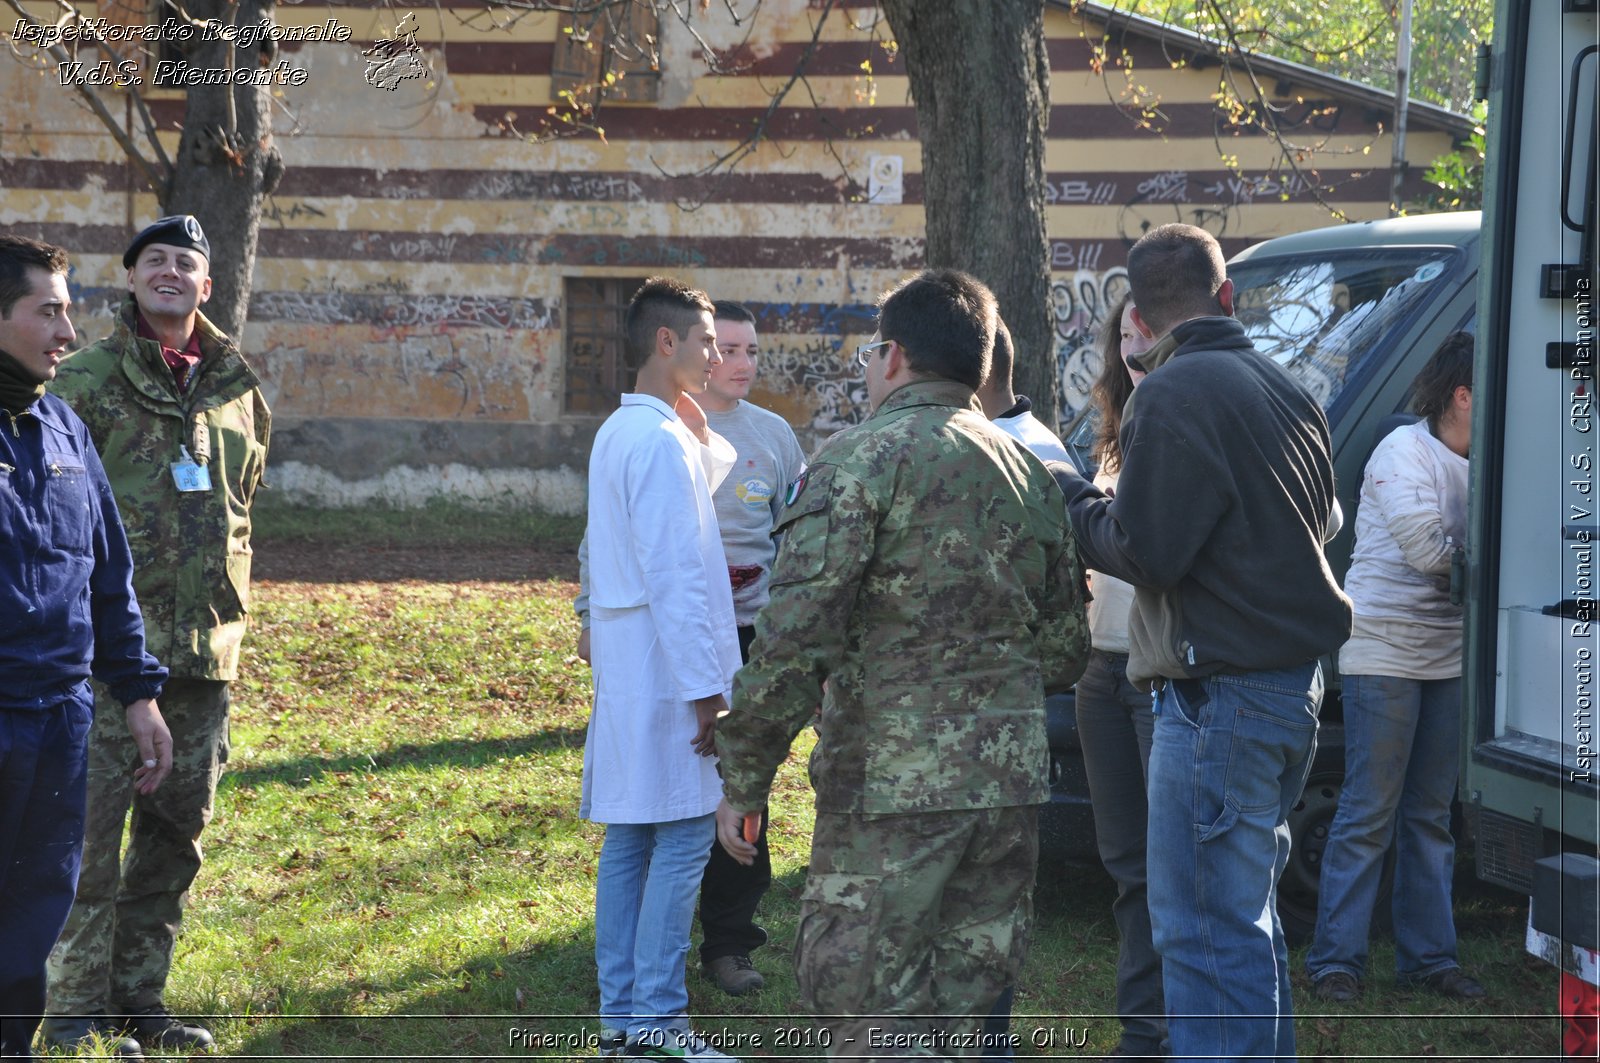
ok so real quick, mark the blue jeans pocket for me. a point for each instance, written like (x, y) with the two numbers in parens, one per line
(1188, 700)
(1254, 748)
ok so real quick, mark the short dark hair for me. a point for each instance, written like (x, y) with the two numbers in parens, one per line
(661, 301)
(1002, 355)
(728, 310)
(1450, 367)
(1111, 388)
(18, 255)
(1175, 272)
(945, 320)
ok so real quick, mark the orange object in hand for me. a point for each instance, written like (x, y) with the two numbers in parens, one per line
(752, 827)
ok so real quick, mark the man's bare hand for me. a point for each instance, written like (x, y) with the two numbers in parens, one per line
(692, 416)
(150, 734)
(730, 832)
(706, 711)
(583, 646)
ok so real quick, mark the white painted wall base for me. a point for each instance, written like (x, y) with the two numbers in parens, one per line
(562, 491)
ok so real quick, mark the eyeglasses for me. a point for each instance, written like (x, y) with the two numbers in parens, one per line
(866, 350)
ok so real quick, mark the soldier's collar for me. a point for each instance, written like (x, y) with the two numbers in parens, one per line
(929, 392)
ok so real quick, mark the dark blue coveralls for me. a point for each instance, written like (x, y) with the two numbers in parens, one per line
(67, 610)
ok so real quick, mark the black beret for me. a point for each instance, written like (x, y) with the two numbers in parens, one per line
(178, 230)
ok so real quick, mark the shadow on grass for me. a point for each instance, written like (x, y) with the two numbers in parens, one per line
(538, 1001)
(456, 753)
(471, 1011)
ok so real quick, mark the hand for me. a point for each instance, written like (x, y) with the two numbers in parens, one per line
(706, 711)
(692, 416)
(730, 832)
(150, 734)
(583, 646)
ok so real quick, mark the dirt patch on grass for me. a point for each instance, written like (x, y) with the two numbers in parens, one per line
(309, 561)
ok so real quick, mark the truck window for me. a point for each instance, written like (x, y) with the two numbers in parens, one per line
(1321, 317)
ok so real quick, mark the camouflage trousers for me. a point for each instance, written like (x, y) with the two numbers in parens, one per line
(911, 925)
(115, 953)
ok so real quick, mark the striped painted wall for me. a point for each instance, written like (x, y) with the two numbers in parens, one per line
(409, 299)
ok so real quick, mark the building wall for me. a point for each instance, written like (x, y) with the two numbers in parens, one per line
(408, 315)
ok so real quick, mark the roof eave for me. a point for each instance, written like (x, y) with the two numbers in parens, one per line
(1453, 122)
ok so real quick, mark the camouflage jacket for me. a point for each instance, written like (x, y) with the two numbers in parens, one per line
(929, 576)
(191, 550)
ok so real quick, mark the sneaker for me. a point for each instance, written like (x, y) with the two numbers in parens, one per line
(678, 1044)
(612, 1042)
(92, 1033)
(1454, 983)
(157, 1028)
(1337, 988)
(735, 975)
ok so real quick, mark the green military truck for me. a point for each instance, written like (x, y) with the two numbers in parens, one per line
(1528, 771)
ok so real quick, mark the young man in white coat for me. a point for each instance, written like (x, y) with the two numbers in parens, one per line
(664, 651)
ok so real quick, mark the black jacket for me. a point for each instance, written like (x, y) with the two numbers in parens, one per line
(1221, 510)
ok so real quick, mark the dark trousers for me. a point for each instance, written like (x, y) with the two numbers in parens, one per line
(730, 891)
(43, 763)
(1115, 724)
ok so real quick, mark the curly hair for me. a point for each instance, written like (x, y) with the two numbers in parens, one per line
(1450, 367)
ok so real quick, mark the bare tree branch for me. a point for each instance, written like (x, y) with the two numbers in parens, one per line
(156, 180)
(758, 133)
(1268, 112)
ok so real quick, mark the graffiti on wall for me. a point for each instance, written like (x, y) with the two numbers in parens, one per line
(425, 311)
(445, 375)
(1080, 304)
(805, 351)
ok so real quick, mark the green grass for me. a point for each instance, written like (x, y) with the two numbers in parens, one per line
(397, 869)
(436, 524)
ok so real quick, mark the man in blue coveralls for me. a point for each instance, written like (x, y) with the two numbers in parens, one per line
(67, 610)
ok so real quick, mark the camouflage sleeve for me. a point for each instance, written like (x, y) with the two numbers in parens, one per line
(1064, 620)
(263, 428)
(120, 658)
(828, 529)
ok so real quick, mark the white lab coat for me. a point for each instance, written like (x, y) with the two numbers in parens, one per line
(662, 631)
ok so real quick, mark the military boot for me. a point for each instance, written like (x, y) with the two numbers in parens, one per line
(78, 1033)
(158, 1028)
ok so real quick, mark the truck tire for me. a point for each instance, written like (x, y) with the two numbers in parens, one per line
(1309, 823)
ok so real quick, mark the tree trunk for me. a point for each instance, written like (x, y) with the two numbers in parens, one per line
(980, 78)
(227, 163)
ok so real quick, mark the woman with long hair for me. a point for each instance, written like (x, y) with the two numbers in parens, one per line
(1115, 723)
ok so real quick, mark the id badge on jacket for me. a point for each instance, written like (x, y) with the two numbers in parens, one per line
(189, 476)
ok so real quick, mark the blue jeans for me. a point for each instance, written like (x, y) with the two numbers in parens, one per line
(1228, 760)
(648, 880)
(1402, 744)
(1115, 725)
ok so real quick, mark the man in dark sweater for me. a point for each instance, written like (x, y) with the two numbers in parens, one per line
(1225, 500)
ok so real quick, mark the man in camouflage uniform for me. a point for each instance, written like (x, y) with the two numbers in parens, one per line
(182, 427)
(928, 576)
